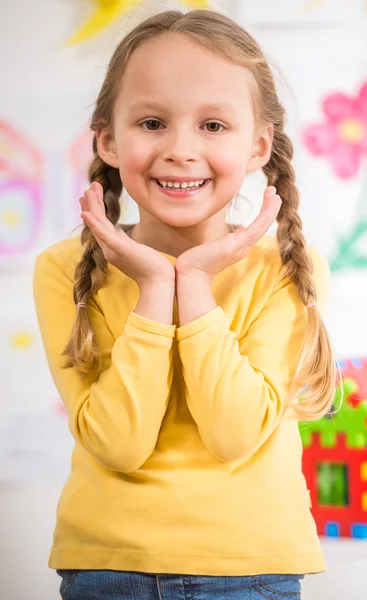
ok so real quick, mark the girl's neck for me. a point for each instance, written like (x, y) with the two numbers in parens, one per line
(157, 242)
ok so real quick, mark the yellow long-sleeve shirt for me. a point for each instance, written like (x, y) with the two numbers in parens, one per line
(181, 462)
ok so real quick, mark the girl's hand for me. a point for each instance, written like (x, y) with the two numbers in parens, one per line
(206, 260)
(141, 263)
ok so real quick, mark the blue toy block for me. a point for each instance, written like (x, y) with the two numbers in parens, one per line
(332, 529)
(359, 530)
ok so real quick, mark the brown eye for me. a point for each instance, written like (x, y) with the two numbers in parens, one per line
(150, 121)
(215, 124)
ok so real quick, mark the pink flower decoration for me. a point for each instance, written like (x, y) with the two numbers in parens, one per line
(343, 137)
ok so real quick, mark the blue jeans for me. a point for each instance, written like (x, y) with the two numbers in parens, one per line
(131, 585)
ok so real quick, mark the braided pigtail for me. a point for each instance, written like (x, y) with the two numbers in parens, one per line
(82, 350)
(316, 373)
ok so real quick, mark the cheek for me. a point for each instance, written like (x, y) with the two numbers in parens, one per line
(229, 166)
(230, 172)
(135, 154)
(134, 160)
(230, 160)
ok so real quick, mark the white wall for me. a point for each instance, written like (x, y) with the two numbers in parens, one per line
(47, 92)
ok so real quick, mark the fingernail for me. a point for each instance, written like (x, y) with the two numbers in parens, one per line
(273, 189)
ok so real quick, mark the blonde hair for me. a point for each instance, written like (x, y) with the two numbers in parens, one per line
(316, 371)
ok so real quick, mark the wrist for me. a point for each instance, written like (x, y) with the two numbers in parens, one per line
(146, 285)
(194, 298)
(198, 276)
(156, 300)
(193, 282)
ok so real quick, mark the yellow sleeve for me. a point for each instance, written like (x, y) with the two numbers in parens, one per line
(236, 387)
(117, 416)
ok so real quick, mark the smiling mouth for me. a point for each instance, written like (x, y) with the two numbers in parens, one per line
(173, 187)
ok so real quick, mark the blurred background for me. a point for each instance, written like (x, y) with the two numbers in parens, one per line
(54, 55)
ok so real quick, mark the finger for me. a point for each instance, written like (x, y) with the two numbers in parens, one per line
(107, 236)
(269, 191)
(271, 204)
(88, 220)
(95, 196)
(86, 213)
(85, 209)
(271, 207)
(253, 233)
(83, 203)
(266, 217)
(94, 204)
(98, 189)
(98, 226)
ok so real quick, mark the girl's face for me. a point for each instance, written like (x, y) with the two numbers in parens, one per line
(183, 112)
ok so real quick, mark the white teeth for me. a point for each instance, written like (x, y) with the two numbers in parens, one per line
(183, 185)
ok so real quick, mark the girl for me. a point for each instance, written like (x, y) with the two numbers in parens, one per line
(180, 345)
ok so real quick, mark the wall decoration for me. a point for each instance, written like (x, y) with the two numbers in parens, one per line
(32, 181)
(342, 137)
(22, 340)
(21, 195)
(107, 11)
(351, 247)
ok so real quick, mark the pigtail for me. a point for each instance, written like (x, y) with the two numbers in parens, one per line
(315, 377)
(82, 350)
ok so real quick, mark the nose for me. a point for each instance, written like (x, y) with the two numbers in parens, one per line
(179, 146)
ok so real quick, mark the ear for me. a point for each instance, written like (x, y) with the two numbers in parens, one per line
(106, 147)
(261, 150)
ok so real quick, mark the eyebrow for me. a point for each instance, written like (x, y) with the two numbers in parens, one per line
(142, 104)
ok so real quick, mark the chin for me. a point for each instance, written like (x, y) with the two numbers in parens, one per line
(180, 221)
(184, 216)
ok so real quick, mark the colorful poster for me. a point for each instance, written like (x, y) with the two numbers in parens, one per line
(21, 191)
